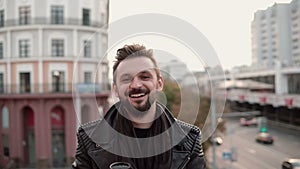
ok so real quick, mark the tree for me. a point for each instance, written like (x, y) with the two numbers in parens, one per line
(172, 92)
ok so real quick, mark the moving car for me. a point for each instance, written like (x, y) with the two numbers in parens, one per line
(263, 137)
(291, 163)
(248, 121)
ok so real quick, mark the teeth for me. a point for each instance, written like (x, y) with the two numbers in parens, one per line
(137, 95)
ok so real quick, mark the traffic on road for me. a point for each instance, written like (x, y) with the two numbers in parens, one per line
(259, 145)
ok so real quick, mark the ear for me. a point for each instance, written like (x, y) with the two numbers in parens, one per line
(160, 83)
(115, 88)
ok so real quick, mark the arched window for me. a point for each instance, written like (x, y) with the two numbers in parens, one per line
(5, 117)
(5, 135)
(58, 136)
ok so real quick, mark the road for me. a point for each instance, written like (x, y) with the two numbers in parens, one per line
(256, 155)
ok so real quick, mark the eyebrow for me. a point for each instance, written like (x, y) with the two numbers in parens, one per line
(144, 71)
(141, 72)
(125, 75)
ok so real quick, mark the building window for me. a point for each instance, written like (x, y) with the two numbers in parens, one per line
(24, 48)
(57, 48)
(1, 50)
(5, 118)
(87, 77)
(86, 17)
(24, 15)
(87, 49)
(57, 15)
(1, 18)
(5, 137)
(25, 82)
(58, 83)
(1, 83)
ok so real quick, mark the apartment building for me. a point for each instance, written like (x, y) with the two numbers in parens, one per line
(271, 37)
(295, 31)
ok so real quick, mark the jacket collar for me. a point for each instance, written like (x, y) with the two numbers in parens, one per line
(103, 134)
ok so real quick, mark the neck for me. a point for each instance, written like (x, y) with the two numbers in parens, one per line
(145, 121)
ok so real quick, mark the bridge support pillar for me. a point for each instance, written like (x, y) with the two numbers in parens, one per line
(281, 81)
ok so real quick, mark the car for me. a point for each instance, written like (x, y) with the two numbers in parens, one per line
(291, 163)
(218, 140)
(248, 121)
(264, 137)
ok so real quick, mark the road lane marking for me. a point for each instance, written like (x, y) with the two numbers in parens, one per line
(252, 151)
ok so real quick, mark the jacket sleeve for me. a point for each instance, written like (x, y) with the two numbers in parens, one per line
(197, 160)
(82, 160)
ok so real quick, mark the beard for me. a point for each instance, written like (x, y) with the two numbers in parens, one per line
(136, 111)
(141, 105)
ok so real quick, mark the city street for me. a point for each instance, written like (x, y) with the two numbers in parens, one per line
(251, 154)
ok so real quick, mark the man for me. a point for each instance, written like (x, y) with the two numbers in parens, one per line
(139, 131)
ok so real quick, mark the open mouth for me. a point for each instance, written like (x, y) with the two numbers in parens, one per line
(137, 95)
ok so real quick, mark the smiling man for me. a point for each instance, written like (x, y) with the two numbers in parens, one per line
(139, 131)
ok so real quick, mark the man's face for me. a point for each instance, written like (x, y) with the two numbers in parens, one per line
(135, 80)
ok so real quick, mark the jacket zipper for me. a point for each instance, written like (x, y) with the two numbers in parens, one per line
(184, 163)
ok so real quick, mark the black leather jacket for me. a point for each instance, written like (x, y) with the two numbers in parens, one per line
(186, 154)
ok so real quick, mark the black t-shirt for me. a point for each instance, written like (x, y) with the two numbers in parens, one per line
(141, 133)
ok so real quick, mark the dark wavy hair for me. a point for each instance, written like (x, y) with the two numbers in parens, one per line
(134, 50)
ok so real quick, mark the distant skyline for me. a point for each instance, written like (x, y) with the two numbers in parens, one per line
(226, 24)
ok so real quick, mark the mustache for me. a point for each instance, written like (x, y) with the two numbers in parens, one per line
(136, 91)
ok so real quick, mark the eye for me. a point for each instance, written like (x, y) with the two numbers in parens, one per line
(125, 79)
(145, 77)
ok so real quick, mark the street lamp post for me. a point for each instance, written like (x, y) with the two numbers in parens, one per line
(213, 126)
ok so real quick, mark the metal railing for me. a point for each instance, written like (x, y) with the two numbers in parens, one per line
(14, 57)
(47, 21)
(53, 88)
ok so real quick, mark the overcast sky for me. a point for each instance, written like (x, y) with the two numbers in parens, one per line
(225, 23)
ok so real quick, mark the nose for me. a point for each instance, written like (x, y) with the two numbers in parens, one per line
(135, 83)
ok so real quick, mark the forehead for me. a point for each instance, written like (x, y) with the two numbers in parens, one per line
(134, 65)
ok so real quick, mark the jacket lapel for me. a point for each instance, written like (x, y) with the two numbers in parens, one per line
(102, 158)
(178, 158)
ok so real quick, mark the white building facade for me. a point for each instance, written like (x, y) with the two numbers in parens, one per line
(48, 48)
(44, 41)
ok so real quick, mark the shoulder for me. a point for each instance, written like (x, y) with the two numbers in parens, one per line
(89, 126)
(84, 132)
(188, 128)
(192, 141)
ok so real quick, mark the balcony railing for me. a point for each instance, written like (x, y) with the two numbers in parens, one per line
(47, 21)
(4, 58)
(53, 88)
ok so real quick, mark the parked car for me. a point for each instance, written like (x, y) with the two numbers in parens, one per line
(248, 121)
(266, 138)
(291, 163)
